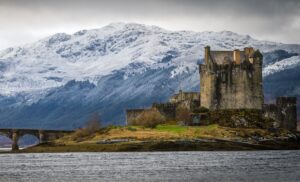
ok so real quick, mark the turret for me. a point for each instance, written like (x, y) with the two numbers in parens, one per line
(206, 56)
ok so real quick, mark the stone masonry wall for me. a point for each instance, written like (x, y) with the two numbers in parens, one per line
(166, 109)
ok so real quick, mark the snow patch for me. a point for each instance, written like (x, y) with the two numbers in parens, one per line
(281, 65)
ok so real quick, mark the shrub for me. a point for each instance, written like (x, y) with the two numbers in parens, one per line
(93, 124)
(150, 118)
(203, 109)
(183, 114)
(196, 110)
(130, 128)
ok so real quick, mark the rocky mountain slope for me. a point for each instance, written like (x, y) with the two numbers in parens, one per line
(61, 80)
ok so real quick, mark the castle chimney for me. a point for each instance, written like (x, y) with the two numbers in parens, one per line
(248, 51)
(251, 51)
(207, 52)
(237, 56)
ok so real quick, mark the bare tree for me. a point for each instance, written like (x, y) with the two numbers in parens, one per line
(93, 124)
(150, 118)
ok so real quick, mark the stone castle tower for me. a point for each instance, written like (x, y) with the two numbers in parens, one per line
(232, 79)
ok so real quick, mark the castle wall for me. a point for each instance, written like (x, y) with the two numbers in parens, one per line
(166, 109)
(184, 96)
(239, 86)
(188, 100)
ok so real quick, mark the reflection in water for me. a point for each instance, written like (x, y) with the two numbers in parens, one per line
(154, 166)
(5, 148)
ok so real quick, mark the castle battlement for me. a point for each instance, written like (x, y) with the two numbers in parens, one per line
(236, 56)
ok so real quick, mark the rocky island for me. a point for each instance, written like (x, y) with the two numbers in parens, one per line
(228, 114)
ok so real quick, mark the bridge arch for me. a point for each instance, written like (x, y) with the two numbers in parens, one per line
(6, 138)
(41, 135)
(28, 139)
(6, 134)
(14, 135)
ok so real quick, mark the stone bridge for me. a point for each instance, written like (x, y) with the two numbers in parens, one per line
(42, 135)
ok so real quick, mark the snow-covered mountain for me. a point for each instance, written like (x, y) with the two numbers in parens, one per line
(59, 81)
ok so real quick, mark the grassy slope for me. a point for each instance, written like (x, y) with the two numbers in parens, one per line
(161, 132)
(170, 132)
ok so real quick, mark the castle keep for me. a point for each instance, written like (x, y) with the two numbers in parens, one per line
(231, 79)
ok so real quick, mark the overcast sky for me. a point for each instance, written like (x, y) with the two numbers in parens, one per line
(26, 21)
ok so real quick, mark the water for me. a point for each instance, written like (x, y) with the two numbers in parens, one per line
(154, 166)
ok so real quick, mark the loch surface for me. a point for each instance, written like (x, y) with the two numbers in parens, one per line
(152, 166)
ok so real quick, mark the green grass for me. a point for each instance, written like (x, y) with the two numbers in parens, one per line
(131, 128)
(181, 129)
(210, 130)
(207, 127)
(171, 128)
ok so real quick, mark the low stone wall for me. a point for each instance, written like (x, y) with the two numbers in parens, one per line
(167, 109)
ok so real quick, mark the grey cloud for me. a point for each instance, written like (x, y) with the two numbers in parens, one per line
(275, 20)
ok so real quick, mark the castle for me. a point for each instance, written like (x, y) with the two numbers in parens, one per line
(230, 80)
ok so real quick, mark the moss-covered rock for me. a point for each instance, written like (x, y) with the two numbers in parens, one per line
(238, 118)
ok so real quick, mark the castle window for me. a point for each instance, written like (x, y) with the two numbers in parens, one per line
(249, 75)
(223, 77)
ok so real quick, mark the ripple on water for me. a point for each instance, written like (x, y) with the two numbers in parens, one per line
(152, 166)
